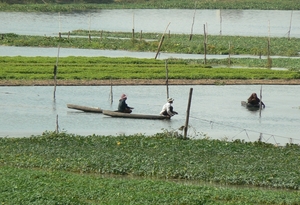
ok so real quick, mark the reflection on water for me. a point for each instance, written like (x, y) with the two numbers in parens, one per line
(216, 111)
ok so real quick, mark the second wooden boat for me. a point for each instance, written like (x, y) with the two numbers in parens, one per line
(85, 108)
(136, 116)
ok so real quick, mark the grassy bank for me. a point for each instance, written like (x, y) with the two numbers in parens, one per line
(173, 43)
(102, 68)
(65, 168)
(80, 5)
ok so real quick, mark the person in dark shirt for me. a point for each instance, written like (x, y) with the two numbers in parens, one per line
(254, 100)
(123, 107)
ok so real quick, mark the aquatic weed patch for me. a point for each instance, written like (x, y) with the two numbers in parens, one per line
(236, 163)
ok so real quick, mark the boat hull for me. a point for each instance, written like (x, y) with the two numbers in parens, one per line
(85, 108)
(135, 116)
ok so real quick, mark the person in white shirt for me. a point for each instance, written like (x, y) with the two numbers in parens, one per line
(167, 109)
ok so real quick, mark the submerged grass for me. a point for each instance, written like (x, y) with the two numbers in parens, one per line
(65, 168)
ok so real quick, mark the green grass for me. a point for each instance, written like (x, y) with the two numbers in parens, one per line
(173, 43)
(100, 68)
(80, 5)
(71, 169)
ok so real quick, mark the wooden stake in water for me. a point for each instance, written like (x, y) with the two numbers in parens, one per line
(260, 103)
(193, 23)
(289, 32)
(111, 93)
(167, 78)
(55, 72)
(188, 114)
(220, 22)
(56, 130)
(161, 41)
(205, 42)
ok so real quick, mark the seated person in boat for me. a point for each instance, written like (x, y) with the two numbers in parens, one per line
(254, 100)
(167, 109)
(123, 107)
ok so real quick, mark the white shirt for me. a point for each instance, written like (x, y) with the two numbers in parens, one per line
(167, 107)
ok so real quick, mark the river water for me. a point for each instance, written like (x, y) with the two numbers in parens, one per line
(216, 111)
(273, 23)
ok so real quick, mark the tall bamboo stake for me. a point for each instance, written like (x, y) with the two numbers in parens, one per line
(193, 23)
(289, 32)
(220, 22)
(188, 114)
(260, 104)
(167, 78)
(55, 72)
(111, 93)
(56, 130)
(161, 41)
(205, 40)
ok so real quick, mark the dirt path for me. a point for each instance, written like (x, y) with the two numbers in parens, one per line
(145, 82)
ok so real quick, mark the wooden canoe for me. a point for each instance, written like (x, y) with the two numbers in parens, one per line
(85, 108)
(136, 116)
(250, 106)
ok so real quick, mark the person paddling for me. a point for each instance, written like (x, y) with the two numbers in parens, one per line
(123, 107)
(167, 109)
(254, 100)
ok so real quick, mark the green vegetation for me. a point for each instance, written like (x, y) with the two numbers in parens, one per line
(99, 68)
(85, 5)
(173, 43)
(69, 169)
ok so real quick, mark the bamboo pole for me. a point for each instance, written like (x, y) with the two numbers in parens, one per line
(167, 78)
(111, 93)
(188, 114)
(220, 22)
(289, 32)
(229, 50)
(56, 129)
(161, 41)
(260, 103)
(205, 40)
(193, 23)
(55, 72)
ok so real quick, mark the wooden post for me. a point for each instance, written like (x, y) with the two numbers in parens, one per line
(188, 114)
(56, 130)
(159, 46)
(90, 38)
(204, 45)
(161, 41)
(68, 35)
(220, 22)
(289, 32)
(191, 35)
(111, 93)
(229, 50)
(260, 103)
(141, 35)
(167, 78)
(59, 35)
(55, 72)
(133, 34)
(101, 32)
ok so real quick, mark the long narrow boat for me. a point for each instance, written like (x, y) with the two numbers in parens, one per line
(136, 116)
(85, 108)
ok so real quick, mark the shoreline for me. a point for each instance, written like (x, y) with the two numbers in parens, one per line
(146, 82)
